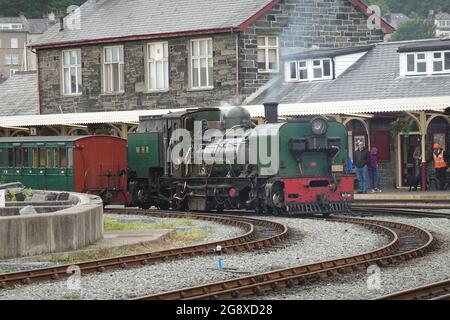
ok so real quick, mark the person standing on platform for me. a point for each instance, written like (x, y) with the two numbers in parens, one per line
(362, 162)
(374, 172)
(440, 165)
(417, 156)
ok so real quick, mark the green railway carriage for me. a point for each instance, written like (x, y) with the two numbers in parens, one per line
(86, 164)
(40, 162)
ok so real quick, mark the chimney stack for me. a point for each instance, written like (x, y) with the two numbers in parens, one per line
(271, 112)
(61, 24)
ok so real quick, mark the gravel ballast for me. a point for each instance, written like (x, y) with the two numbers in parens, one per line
(433, 267)
(215, 232)
(313, 241)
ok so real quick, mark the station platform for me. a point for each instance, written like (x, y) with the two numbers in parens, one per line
(403, 195)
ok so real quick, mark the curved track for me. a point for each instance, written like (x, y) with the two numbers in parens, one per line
(259, 234)
(380, 210)
(435, 291)
(407, 242)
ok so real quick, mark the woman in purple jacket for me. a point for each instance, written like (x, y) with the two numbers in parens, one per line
(374, 172)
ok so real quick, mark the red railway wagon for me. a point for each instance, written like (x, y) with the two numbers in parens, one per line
(100, 164)
(86, 164)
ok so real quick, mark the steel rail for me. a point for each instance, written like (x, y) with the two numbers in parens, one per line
(435, 291)
(287, 278)
(390, 211)
(246, 242)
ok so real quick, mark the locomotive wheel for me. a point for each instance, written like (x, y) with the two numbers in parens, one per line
(278, 199)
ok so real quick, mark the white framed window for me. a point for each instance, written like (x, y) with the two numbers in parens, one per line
(309, 70)
(12, 59)
(202, 64)
(113, 70)
(425, 63)
(441, 62)
(72, 72)
(14, 43)
(158, 66)
(268, 54)
(322, 69)
(416, 63)
(303, 70)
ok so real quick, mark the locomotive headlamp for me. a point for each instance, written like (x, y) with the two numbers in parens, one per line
(319, 126)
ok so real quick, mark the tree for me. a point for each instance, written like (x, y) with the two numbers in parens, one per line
(415, 29)
(35, 8)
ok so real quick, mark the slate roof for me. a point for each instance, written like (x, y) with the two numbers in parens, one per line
(19, 95)
(375, 76)
(326, 52)
(11, 20)
(105, 19)
(443, 44)
(37, 26)
(442, 16)
(115, 20)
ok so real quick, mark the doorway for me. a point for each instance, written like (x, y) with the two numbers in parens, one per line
(408, 167)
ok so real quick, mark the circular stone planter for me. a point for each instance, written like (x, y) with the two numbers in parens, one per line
(75, 224)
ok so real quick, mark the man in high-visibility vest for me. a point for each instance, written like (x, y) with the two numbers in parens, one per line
(440, 165)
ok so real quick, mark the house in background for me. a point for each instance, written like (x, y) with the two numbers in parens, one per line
(389, 95)
(120, 55)
(395, 19)
(15, 34)
(442, 21)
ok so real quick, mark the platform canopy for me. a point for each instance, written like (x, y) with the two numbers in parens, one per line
(362, 107)
(115, 117)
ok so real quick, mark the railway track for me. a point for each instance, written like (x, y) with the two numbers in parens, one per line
(407, 242)
(435, 291)
(259, 234)
(380, 210)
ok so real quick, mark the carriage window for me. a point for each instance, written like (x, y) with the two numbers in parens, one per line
(18, 156)
(50, 158)
(35, 157)
(69, 158)
(25, 161)
(62, 158)
(1, 157)
(10, 157)
(42, 158)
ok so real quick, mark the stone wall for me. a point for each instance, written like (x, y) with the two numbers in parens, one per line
(297, 23)
(136, 96)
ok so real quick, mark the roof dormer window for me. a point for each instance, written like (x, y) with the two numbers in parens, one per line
(425, 63)
(309, 70)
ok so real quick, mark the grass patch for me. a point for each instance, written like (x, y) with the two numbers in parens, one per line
(3, 271)
(176, 238)
(115, 225)
(72, 296)
(92, 255)
(188, 236)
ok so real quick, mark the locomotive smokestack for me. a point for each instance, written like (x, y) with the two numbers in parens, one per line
(271, 112)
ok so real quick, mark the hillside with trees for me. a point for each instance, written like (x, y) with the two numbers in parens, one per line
(35, 8)
(419, 8)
